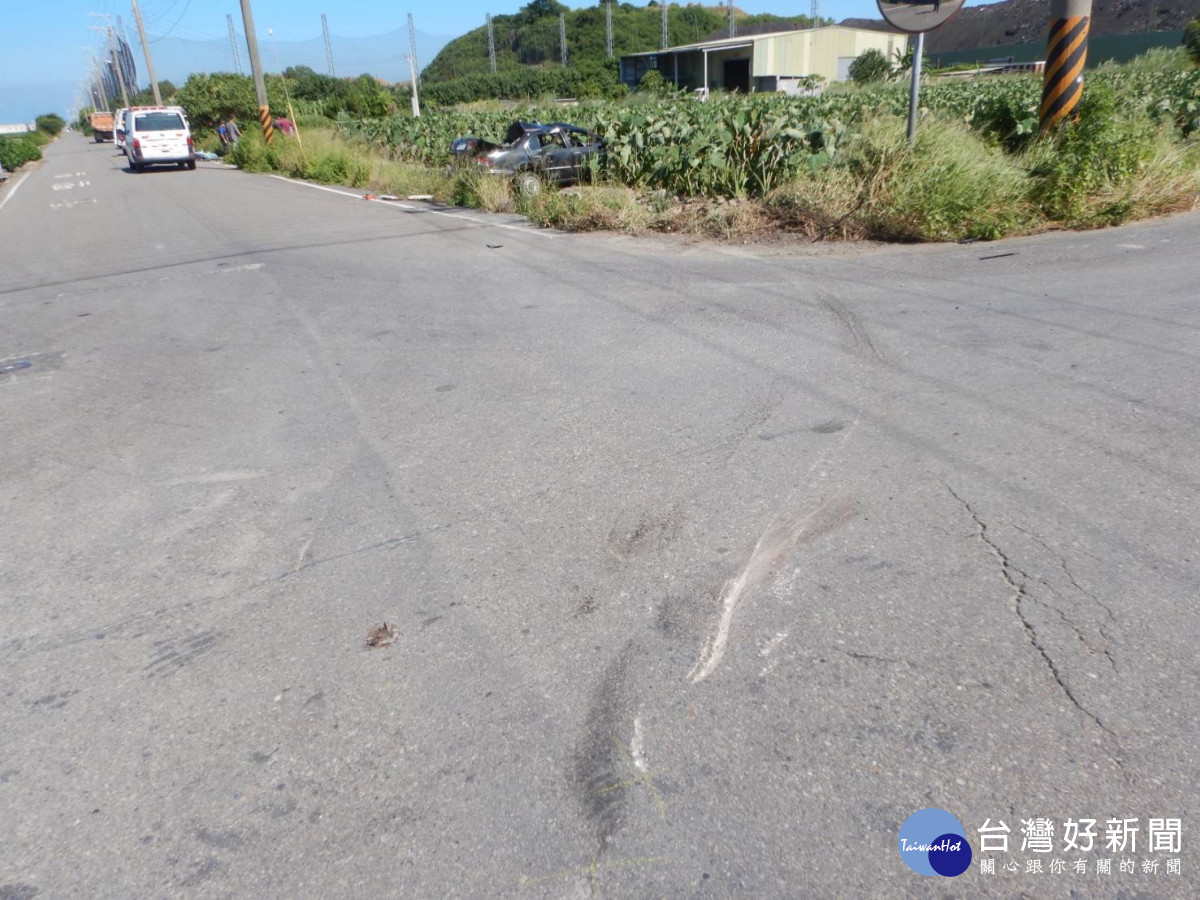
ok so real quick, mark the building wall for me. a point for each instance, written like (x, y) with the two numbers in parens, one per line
(818, 52)
(823, 51)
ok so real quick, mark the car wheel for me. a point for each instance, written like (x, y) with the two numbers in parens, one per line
(137, 167)
(191, 164)
(528, 184)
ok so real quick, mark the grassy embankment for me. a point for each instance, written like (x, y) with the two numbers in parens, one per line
(977, 169)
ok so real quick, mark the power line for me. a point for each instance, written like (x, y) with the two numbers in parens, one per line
(180, 19)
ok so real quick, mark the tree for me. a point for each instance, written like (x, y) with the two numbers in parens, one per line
(870, 66)
(212, 99)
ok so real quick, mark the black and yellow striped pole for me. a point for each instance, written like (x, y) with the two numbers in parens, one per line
(256, 69)
(1066, 53)
(264, 117)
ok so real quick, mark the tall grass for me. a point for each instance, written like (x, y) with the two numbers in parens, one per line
(326, 157)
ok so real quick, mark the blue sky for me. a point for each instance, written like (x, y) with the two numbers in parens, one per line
(48, 43)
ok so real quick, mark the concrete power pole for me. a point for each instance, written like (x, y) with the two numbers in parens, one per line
(666, 25)
(112, 43)
(491, 43)
(328, 46)
(608, 38)
(732, 24)
(237, 60)
(562, 36)
(1066, 52)
(260, 83)
(137, 15)
(100, 82)
(412, 52)
(412, 75)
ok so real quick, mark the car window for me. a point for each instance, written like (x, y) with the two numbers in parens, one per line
(158, 121)
(553, 139)
(577, 139)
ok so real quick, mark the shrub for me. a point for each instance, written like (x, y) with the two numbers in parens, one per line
(652, 83)
(870, 66)
(15, 152)
(251, 153)
(51, 124)
(1099, 155)
(1191, 39)
(949, 185)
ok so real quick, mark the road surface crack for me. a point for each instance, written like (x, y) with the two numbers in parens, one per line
(1016, 579)
(1108, 613)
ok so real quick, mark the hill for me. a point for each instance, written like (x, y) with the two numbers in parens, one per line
(531, 36)
(1025, 21)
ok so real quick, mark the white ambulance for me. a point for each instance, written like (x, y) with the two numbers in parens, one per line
(158, 135)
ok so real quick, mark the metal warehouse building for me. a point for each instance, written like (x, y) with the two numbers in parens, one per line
(763, 62)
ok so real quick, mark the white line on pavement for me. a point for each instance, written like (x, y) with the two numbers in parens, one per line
(13, 189)
(417, 209)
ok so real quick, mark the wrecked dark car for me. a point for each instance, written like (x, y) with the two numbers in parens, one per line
(533, 154)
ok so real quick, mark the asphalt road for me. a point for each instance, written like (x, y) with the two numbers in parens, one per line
(707, 566)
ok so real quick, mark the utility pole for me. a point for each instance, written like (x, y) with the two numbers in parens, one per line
(260, 83)
(412, 52)
(137, 15)
(608, 38)
(491, 43)
(815, 14)
(562, 36)
(237, 60)
(412, 74)
(112, 43)
(1066, 53)
(732, 24)
(100, 82)
(666, 25)
(328, 46)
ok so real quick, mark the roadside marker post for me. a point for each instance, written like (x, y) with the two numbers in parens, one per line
(1066, 54)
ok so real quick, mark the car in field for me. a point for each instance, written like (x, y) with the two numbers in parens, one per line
(533, 154)
(158, 135)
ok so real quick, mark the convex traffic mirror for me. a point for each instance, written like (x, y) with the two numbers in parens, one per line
(915, 16)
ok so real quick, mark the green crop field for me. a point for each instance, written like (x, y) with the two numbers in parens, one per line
(748, 145)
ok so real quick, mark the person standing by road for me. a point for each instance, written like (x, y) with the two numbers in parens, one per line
(232, 132)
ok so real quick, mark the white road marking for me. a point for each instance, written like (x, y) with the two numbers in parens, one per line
(13, 190)
(418, 209)
(73, 203)
(248, 267)
(68, 185)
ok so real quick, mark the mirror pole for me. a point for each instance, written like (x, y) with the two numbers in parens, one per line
(914, 92)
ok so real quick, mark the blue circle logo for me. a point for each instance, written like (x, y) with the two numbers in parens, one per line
(933, 842)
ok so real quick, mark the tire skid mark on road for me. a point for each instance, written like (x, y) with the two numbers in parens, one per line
(780, 539)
